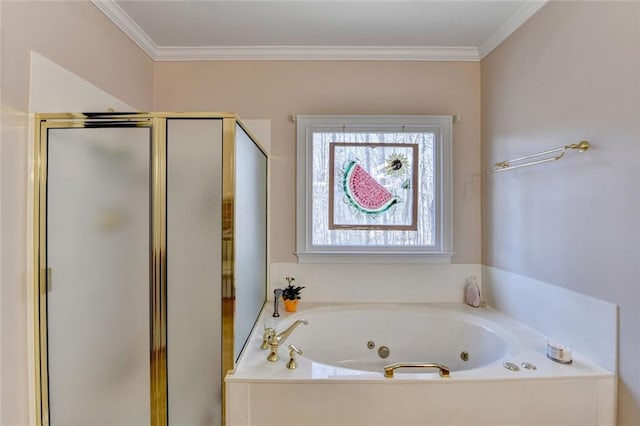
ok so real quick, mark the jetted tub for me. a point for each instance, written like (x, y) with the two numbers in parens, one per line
(339, 379)
(369, 337)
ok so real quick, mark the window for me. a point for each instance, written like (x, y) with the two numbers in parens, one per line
(374, 189)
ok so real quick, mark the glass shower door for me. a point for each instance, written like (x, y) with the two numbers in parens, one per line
(250, 235)
(98, 247)
(145, 227)
(194, 195)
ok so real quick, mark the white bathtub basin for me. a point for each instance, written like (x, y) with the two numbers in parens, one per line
(351, 337)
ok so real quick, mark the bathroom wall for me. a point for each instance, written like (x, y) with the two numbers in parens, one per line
(570, 73)
(276, 90)
(80, 38)
(567, 74)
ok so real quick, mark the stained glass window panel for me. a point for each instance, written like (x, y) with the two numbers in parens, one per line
(373, 189)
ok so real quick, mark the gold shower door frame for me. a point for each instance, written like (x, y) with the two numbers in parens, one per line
(156, 122)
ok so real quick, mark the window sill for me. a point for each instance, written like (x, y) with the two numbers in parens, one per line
(389, 258)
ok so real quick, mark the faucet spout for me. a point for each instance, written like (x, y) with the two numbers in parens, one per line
(282, 337)
(275, 340)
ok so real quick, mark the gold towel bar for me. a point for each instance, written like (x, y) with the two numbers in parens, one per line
(517, 162)
(388, 370)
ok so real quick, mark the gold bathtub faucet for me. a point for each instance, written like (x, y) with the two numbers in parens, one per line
(274, 340)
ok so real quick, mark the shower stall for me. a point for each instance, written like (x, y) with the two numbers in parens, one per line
(150, 264)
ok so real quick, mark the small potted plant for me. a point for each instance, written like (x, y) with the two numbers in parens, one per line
(291, 295)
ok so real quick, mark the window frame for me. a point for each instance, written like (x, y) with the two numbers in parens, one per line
(440, 252)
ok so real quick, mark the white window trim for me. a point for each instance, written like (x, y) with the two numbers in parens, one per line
(443, 249)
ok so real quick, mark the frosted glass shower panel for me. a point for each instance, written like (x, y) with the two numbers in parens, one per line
(251, 235)
(194, 232)
(98, 254)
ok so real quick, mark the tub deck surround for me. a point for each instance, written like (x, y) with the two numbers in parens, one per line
(325, 393)
(590, 324)
(524, 345)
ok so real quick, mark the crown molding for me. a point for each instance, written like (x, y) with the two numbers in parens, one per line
(123, 21)
(519, 17)
(311, 53)
(317, 53)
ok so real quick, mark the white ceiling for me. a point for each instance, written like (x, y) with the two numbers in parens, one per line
(303, 29)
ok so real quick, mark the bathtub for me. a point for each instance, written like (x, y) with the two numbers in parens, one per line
(340, 376)
(367, 338)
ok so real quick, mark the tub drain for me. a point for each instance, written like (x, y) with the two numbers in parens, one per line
(464, 355)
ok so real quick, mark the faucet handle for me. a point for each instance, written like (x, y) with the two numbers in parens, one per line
(291, 365)
(269, 333)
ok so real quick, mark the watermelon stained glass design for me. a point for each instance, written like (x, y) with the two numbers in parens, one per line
(371, 186)
(364, 193)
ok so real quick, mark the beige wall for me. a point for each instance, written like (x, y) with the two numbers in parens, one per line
(570, 73)
(276, 90)
(80, 38)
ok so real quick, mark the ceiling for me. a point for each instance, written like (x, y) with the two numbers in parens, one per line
(332, 29)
